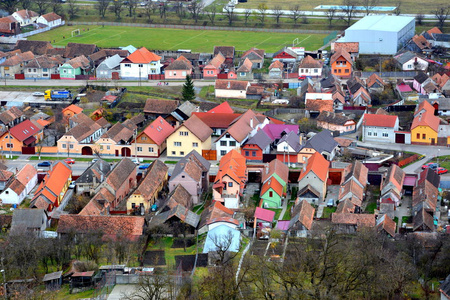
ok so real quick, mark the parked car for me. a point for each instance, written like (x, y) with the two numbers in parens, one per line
(44, 164)
(94, 160)
(69, 161)
(144, 166)
(136, 161)
(38, 94)
(441, 170)
(430, 165)
(302, 77)
(330, 203)
(72, 185)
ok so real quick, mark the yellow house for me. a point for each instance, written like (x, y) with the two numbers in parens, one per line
(425, 126)
(146, 193)
(193, 134)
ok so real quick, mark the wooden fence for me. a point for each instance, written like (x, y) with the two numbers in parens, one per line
(408, 160)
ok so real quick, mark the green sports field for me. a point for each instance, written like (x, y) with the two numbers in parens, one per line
(173, 39)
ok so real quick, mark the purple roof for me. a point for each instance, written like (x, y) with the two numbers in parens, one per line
(264, 214)
(410, 180)
(274, 130)
(283, 225)
(404, 88)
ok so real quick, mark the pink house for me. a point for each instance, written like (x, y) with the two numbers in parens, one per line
(214, 66)
(178, 69)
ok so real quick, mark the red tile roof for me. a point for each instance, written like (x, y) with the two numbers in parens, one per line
(216, 211)
(273, 184)
(54, 182)
(217, 120)
(341, 53)
(426, 119)
(73, 108)
(24, 130)
(158, 130)
(349, 47)
(379, 120)
(364, 220)
(317, 164)
(142, 56)
(319, 105)
(233, 164)
(277, 167)
(222, 108)
(387, 224)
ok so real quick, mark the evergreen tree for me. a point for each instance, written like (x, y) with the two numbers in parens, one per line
(188, 92)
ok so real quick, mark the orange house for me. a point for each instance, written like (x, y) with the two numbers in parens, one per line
(341, 63)
(214, 66)
(24, 134)
(70, 111)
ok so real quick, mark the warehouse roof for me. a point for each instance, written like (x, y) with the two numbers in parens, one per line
(381, 23)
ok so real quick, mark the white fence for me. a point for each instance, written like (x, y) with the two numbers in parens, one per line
(30, 33)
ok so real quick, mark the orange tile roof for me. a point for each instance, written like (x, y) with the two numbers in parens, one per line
(277, 65)
(233, 164)
(364, 220)
(344, 54)
(434, 30)
(349, 46)
(26, 174)
(222, 108)
(426, 119)
(73, 108)
(373, 79)
(241, 127)
(379, 120)
(317, 164)
(319, 105)
(277, 167)
(216, 62)
(158, 130)
(142, 56)
(426, 106)
(273, 184)
(42, 122)
(55, 181)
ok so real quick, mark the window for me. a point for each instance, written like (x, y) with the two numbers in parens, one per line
(127, 65)
(223, 152)
(44, 70)
(195, 145)
(8, 145)
(409, 66)
(141, 65)
(227, 135)
(424, 136)
(339, 71)
(418, 136)
(230, 184)
(184, 133)
(45, 75)
(369, 133)
(181, 152)
(232, 143)
(183, 73)
(29, 70)
(64, 146)
(253, 153)
(150, 149)
(316, 71)
(177, 144)
(270, 194)
(375, 134)
(173, 152)
(385, 134)
(174, 73)
(247, 153)
(101, 147)
(108, 147)
(346, 70)
(139, 149)
(34, 70)
(242, 73)
(223, 143)
(143, 138)
(335, 71)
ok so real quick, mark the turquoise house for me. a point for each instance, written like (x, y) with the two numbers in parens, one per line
(271, 193)
(79, 65)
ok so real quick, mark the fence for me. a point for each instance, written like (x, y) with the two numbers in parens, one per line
(408, 160)
(329, 37)
(30, 33)
(390, 74)
(193, 27)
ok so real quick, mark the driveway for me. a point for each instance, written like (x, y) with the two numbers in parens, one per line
(120, 291)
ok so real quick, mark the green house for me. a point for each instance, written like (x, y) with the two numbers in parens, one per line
(76, 66)
(271, 193)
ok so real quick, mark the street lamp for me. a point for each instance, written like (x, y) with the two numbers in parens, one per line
(439, 151)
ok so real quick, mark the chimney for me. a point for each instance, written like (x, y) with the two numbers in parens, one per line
(101, 177)
(228, 85)
(251, 122)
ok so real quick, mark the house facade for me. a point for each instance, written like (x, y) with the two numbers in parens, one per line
(25, 134)
(231, 89)
(79, 65)
(178, 69)
(309, 67)
(18, 188)
(140, 64)
(152, 141)
(50, 19)
(25, 17)
(341, 64)
(312, 182)
(425, 126)
(380, 128)
(109, 66)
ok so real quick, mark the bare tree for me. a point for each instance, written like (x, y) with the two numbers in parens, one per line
(398, 7)
(180, 11)
(247, 14)
(102, 6)
(41, 5)
(196, 9)
(229, 13)
(278, 12)
(261, 13)
(369, 5)
(296, 13)
(211, 13)
(331, 13)
(149, 10)
(9, 5)
(157, 286)
(117, 7)
(72, 8)
(132, 4)
(77, 203)
(163, 11)
(349, 9)
(441, 14)
(26, 4)
(419, 18)
(56, 7)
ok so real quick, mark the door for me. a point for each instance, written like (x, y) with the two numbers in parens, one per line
(86, 150)
(400, 138)
(126, 152)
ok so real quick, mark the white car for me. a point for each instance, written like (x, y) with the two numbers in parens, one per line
(136, 161)
(38, 94)
(72, 185)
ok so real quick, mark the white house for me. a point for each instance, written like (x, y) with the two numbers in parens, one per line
(25, 17)
(50, 19)
(410, 61)
(140, 64)
(17, 189)
(310, 67)
(379, 128)
(231, 89)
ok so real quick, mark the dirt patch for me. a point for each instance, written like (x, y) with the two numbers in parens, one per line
(95, 96)
(131, 105)
(179, 243)
(155, 258)
(187, 261)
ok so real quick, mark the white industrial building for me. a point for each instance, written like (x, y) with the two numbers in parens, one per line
(380, 34)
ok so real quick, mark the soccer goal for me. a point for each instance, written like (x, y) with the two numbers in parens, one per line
(76, 32)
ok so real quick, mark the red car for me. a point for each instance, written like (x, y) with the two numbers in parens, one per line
(441, 170)
(430, 165)
(302, 77)
(69, 161)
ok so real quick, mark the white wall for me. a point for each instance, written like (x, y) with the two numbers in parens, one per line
(132, 71)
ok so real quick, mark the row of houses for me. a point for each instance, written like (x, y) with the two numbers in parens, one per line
(11, 25)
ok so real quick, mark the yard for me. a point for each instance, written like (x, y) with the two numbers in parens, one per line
(170, 253)
(173, 39)
(327, 211)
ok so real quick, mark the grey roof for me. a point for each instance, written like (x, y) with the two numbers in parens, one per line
(178, 211)
(184, 111)
(27, 218)
(40, 115)
(322, 141)
(292, 139)
(405, 57)
(441, 37)
(97, 169)
(203, 163)
(111, 62)
(445, 286)
(443, 103)
(421, 77)
(261, 139)
(52, 276)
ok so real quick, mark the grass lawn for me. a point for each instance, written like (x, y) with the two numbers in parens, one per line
(173, 39)
(277, 212)
(170, 253)
(287, 213)
(406, 219)
(64, 294)
(327, 211)
(370, 208)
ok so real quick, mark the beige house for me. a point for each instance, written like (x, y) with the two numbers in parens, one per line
(335, 122)
(152, 141)
(231, 89)
(193, 134)
(15, 64)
